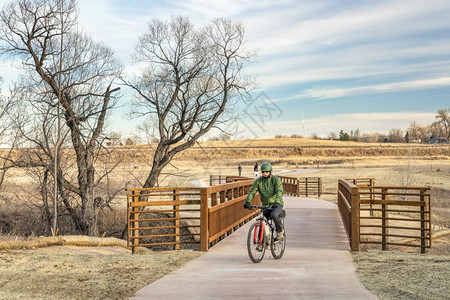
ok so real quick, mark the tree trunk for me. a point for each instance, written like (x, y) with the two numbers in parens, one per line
(86, 182)
(46, 215)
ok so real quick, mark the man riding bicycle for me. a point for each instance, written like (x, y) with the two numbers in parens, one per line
(270, 190)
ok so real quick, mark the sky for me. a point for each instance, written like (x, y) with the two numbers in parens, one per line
(322, 65)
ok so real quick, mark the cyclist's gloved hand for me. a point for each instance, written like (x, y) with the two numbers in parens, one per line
(275, 205)
(246, 204)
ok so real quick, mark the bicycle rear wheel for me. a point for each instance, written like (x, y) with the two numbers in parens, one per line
(277, 247)
(256, 242)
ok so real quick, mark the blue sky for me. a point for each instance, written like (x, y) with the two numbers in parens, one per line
(322, 66)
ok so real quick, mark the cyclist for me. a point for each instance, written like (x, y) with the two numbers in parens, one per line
(270, 190)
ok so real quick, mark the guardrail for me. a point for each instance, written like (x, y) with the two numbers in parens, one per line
(385, 215)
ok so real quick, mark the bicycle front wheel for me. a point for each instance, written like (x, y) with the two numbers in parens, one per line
(256, 242)
(277, 247)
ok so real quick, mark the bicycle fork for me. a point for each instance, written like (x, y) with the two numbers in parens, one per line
(264, 229)
(258, 235)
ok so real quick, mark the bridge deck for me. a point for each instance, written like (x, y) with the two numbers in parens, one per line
(317, 263)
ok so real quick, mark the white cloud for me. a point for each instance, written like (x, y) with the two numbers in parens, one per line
(326, 93)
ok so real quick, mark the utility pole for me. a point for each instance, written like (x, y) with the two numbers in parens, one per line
(303, 125)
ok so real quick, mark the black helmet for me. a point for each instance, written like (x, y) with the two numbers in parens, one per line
(266, 167)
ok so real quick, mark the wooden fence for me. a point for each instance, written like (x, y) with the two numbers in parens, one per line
(385, 215)
(156, 216)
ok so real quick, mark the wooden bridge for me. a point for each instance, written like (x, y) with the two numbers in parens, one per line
(397, 216)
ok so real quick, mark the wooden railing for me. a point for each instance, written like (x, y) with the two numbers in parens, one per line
(221, 179)
(362, 181)
(290, 186)
(225, 213)
(348, 206)
(310, 186)
(385, 215)
(365, 183)
(184, 215)
(209, 213)
(302, 186)
(156, 216)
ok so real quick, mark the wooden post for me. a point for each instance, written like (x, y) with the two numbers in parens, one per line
(204, 222)
(298, 187)
(428, 207)
(128, 220)
(306, 186)
(135, 224)
(372, 196)
(355, 214)
(222, 196)
(384, 221)
(422, 222)
(176, 215)
(319, 185)
(214, 199)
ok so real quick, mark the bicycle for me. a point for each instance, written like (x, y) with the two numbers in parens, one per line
(261, 236)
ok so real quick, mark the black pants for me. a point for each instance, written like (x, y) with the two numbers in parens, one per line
(274, 214)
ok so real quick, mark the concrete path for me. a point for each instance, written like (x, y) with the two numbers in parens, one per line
(317, 263)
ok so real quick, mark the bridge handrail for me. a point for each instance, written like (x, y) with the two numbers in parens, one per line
(358, 203)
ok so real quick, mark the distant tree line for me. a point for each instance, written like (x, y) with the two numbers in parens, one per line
(436, 132)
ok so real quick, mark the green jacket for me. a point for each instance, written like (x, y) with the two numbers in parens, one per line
(270, 190)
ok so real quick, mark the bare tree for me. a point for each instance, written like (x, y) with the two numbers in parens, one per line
(395, 135)
(333, 135)
(357, 135)
(436, 131)
(192, 78)
(31, 32)
(7, 135)
(415, 131)
(443, 117)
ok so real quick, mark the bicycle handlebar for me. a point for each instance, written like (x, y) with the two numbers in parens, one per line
(259, 206)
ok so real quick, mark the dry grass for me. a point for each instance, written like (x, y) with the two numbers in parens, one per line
(73, 272)
(111, 272)
(398, 275)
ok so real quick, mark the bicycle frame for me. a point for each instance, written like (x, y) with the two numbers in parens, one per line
(261, 236)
